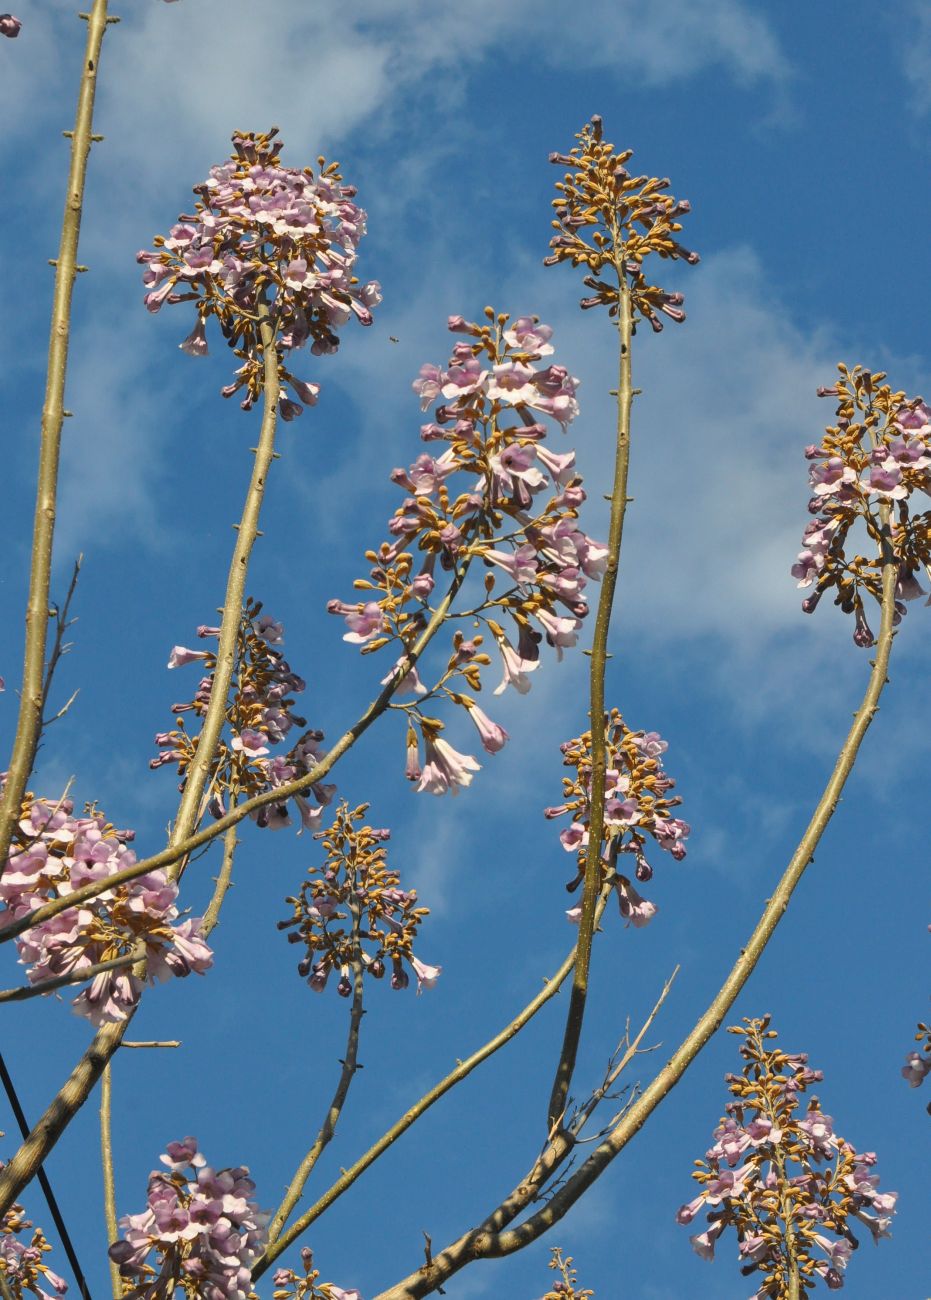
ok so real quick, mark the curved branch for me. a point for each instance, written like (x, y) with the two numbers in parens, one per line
(32, 695)
(486, 1243)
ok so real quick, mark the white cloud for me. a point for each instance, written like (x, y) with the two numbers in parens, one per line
(916, 56)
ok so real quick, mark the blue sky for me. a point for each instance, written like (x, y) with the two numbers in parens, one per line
(800, 135)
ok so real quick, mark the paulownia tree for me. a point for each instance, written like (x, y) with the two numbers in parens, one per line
(485, 563)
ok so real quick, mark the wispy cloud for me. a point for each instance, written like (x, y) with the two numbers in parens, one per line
(916, 55)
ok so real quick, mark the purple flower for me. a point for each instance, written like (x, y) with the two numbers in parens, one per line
(9, 26)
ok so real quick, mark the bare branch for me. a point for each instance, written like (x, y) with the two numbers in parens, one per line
(109, 1189)
(32, 694)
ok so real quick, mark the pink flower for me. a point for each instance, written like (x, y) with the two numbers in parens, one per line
(493, 736)
(528, 335)
(634, 909)
(364, 622)
(251, 743)
(515, 668)
(180, 655)
(445, 768)
(427, 976)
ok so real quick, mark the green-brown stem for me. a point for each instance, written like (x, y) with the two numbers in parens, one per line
(347, 1074)
(32, 695)
(599, 657)
(197, 774)
(109, 1188)
(223, 882)
(487, 1241)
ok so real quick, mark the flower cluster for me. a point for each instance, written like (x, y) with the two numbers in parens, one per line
(260, 715)
(783, 1182)
(262, 233)
(626, 218)
(566, 1287)
(357, 886)
(866, 467)
(10, 26)
(52, 854)
(203, 1225)
(291, 1286)
(637, 808)
(516, 511)
(21, 1265)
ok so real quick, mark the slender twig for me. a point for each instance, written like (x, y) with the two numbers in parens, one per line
(599, 656)
(621, 1060)
(463, 1068)
(62, 623)
(486, 1242)
(46, 1186)
(165, 1042)
(31, 700)
(223, 882)
(109, 1186)
(5, 1288)
(349, 1066)
(73, 977)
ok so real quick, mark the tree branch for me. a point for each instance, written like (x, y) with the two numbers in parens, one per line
(32, 694)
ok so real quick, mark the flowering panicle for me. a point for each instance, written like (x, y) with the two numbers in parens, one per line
(203, 1226)
(566, 1287)
(625, 219)
(637, 807)
(357, 886)
(516, 511)
(21, 1264)
(259, 715)
(262, 233)
(52, 854)
(867, 467)
(291, 1286)
(791, 1187)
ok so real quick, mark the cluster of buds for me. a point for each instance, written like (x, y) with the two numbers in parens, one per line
(202, 1223)
(292, 1286)
(866, 467)
(784, 1182)
(52, 854)
(265, 235)
(10, 26)
(516, 511)
(917, 1065)
(605, 217)
(21, 1265)
(567, 1287)
(351, 914)
(637, 808)
(259, 715)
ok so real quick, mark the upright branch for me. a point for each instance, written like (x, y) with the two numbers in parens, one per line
(32, 694)
(609, 222)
